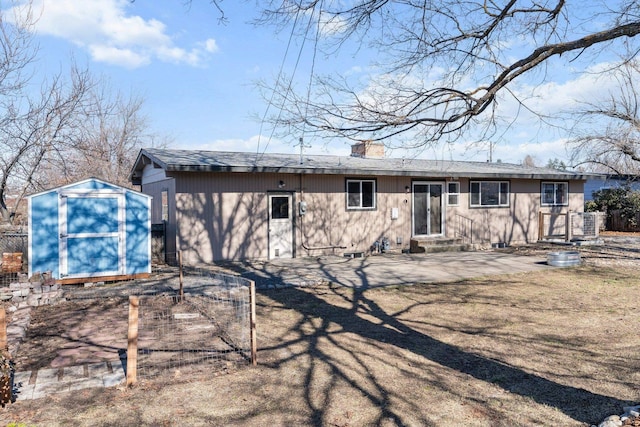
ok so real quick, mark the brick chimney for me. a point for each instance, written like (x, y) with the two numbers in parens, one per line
(368, 149)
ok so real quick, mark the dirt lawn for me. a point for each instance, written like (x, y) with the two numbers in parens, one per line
(556, 348)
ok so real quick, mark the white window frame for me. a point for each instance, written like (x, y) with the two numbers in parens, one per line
(453, 195)
(361, 198)
(555, 184)
(480, 184)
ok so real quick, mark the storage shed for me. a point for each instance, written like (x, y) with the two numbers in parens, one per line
(88, 231)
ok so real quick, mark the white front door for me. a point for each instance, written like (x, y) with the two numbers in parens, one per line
(280, 226)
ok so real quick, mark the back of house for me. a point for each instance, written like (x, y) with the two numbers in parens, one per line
(232, 206)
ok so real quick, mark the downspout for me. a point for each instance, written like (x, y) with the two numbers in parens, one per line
(303, 244)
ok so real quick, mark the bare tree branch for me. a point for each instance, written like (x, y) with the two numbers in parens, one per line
(74, 128)
(607, 133)
(40, 129)
(468, 40)
(111, 136)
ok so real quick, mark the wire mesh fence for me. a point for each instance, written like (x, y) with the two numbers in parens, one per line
(14, 242)
(191, 321)
(207, 327)
(585, 224)
(13, 249)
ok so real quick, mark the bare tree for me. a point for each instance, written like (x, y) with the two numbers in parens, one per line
(74, 127)
(444, 63)
(607, 131)
(38, 133)
(113, 131)
(28, 127)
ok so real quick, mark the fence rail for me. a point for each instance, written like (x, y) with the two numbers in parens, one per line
(202, 332)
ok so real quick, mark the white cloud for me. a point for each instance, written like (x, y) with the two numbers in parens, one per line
(211, 46)
(553, 97)
(107, 30)
(541, 151)
(122, 57)
(506, 151)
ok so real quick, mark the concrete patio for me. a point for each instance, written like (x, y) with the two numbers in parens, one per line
(388, 269)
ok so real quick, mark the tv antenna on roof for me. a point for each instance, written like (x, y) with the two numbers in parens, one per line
(302, 147)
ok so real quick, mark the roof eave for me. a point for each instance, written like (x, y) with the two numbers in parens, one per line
(144, 158)
(371, 172)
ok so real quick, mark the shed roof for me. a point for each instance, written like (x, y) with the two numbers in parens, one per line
(89, 184)
(224, 161)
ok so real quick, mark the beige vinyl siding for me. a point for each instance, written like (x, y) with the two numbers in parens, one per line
(323, 228)
(224, 216)
(328, 225)
(517, 223)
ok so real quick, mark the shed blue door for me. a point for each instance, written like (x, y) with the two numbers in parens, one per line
(92, 234)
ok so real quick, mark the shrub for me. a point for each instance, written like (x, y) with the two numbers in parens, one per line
(623, 199)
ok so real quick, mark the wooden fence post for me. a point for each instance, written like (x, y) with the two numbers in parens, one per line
(252, 322)
(540, 226)
(4, 344)
(180, 269)
(132, 347)
(6, 367)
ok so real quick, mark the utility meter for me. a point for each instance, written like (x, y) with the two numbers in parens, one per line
(302, 208)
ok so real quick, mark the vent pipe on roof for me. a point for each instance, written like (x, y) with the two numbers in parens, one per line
(302, 147)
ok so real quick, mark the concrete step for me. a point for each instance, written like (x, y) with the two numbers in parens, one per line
(437, 244)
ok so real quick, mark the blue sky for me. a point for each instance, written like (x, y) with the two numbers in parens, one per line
(198, 77)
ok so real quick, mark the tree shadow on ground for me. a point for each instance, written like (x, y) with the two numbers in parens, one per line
(366, 319)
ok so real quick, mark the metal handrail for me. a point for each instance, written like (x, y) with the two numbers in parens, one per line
(464, 228)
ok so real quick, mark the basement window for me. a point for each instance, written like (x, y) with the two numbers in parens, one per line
(489, 193)
(555, 194)
(361, 194)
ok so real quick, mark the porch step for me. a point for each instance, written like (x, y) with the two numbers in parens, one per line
(437, 244)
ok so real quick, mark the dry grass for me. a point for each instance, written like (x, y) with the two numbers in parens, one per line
(557, 348)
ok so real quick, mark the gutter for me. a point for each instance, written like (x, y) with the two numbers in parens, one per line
(374, 172)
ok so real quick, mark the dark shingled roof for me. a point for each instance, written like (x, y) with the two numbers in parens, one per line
(222, 161)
